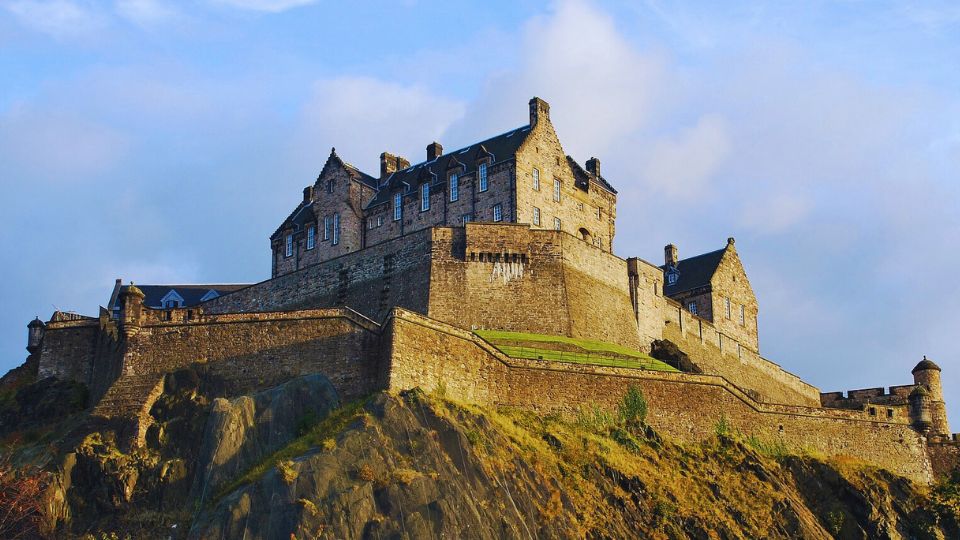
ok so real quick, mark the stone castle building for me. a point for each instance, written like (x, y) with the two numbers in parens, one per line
(389, 282)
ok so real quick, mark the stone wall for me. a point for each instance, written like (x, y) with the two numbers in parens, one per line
(686, 407)
(68, 349)
(730, 284)
(394, 273)
(258, 350)
(719, 354)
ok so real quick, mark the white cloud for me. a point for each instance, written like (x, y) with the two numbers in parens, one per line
(271, 6)
(58, 18)
(146, 12)
(363, 117)
(599, 87)
(681, 167)
(774, 213)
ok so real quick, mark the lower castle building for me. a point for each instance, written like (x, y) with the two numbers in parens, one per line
(397, 281)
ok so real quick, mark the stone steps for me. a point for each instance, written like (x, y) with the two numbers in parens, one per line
(129, 396)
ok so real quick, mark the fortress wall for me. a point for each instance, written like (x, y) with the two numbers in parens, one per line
(648, 297)
(598, 295)
(719, 354)
(944, 456)
(498, 277)
(683, 406)
(259, 350)
(509, 277)
(371, 281)
(68, 350)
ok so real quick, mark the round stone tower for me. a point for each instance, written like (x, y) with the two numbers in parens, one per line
(131, 306)
(927, 375)
(920, 416)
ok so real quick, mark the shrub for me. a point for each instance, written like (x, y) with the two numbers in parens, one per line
(21, 500)
(594, 418)
(723, 429)
(633, 407)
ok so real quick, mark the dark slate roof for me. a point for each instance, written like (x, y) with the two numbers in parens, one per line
(354, 172)
(581, 173)
(695, 272)
(191, 294)
(499, 148)
(925, 365)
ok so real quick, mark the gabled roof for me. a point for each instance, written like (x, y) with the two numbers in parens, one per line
(580, 172)
(694, 272)
(334, 160)
(191, 294)
(501, 148)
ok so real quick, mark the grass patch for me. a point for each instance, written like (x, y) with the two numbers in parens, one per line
(319, 435)
(566, 349)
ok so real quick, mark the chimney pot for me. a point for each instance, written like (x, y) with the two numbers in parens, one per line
(434, 150)
(670, 255)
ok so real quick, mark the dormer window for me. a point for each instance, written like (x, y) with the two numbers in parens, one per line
(692, 307)
(172, 300)
(672, 277)
(482, 174)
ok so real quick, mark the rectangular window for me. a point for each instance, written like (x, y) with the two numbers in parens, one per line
(330, 186)
(369, 223)
(311, 237)
(424, 197)
(598, 213)
(536, 216)
(536, 179)
(397, 207)
(692, 307)
(556, 223)
(497, 212)
(726, 302)
(379, 221)
(466, 218)
(336, 229)
(326, 228)
(743, 317)
(482, 173)
(454, 187)
(556, 189)
(289, 251)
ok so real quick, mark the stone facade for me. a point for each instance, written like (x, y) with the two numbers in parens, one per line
(348, 210)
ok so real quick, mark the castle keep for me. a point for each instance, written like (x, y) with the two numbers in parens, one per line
(448, 273)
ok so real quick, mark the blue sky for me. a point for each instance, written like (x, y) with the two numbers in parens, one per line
(163, 142)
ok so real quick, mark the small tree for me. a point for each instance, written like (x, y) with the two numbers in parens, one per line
(633, 407)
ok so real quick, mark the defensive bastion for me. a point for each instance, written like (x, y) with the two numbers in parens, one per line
(402, 302)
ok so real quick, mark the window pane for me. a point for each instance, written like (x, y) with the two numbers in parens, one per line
(424, 197)
(483, 176)
(556, 189)
(454, 187)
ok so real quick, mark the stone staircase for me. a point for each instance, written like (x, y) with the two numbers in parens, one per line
(130, 397)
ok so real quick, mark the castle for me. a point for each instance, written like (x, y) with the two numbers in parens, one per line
(398, 281)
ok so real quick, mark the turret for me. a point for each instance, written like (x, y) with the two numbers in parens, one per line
(35, 335)
(927, 375)
(131, 308)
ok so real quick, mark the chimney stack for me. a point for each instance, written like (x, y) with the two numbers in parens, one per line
(434, 150)
(402, 163)
(593, 166)
(308, 194)
(539, 110)
(388, 164)
(670, 255)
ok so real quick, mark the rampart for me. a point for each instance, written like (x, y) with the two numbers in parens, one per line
(719, 354)
(431, 354)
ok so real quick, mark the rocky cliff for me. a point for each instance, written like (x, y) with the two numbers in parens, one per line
(294, 462)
